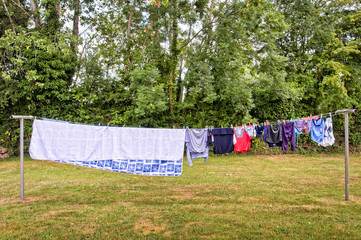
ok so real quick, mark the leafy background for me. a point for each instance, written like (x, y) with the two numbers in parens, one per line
(178, 63)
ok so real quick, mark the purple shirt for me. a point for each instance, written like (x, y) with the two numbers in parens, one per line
(288, 135)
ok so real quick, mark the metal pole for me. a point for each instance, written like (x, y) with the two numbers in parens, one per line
(22, 158)
(346, 112)
(21, 151)
(346, 157)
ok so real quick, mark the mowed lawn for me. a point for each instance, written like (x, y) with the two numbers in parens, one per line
(229, 197)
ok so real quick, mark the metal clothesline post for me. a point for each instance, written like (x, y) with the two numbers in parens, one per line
(346, 112)
(21, 151)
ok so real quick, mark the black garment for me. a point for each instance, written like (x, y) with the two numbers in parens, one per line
(274, 136)
(223, 140)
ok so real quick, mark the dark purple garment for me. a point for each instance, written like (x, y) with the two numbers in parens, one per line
(288, 135)
(223, 140)
(300, 125)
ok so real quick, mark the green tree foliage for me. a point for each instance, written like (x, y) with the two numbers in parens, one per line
(37, 74)
(171, 63)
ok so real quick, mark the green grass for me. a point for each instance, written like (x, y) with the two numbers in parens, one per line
(229, 197)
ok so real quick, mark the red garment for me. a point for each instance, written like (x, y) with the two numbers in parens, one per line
(307, 125)
(243, 143)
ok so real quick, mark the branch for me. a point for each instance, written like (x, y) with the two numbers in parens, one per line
(11, 22)
(211, 22)
(17, 4)
(195, 35)
(81, 56)
(130, 18)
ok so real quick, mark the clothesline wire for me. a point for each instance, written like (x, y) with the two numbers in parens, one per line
(279, 121)
(211, 127)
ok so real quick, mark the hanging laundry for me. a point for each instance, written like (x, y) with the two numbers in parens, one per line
(243, 141)
(274, 136)
(143, 151)
(223, 140)
(209, 138)
(259, 130)
(288, 135)
(306, 127)
(328, 138)
(309, 122)
(238, 131)
(300, 125)
(196, 142)
(265, 133)
(318, 130)
(250, 130)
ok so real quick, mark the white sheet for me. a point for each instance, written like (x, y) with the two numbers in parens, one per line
(58, 140)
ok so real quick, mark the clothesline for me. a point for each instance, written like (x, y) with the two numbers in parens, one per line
(207, 126)
(176, 170)
(279, 121)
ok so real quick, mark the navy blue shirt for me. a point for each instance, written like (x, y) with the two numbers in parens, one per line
(223, 140)
(259, 131)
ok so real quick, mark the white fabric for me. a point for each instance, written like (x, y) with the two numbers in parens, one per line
(328, 139)
(55, 140)
(250, 130)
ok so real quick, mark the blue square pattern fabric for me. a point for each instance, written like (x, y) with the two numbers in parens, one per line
(138, 167)
(140, 151)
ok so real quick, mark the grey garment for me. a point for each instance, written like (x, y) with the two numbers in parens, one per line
(196, 140)
(328, 139)
(274, 135)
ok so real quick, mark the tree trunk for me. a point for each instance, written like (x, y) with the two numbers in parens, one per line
(130, 19)
(174, 54)
(76, 18)
(128, 35)
(180, 85)
(210, 14)
(35, 10)
(74, 45)
(58, 10)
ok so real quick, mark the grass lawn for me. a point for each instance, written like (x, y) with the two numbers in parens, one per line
(229, 197)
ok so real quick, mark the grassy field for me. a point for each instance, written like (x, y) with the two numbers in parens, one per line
(229, 197)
